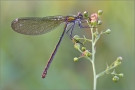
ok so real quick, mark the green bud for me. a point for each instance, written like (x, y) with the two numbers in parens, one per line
(99, 22)
(108, 31)
(87, 53)
(85, 14)
(119, 59)
(75, 59)
(83, 48)
(100, 12)
(121, 75)
(76, 37)
(77, 45)
(117, 63)
(115, 78)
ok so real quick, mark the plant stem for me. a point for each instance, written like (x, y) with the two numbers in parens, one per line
(93, 59)
(102, 73)
(94, 75)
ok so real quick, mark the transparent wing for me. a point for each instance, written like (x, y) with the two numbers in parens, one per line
(36, 25)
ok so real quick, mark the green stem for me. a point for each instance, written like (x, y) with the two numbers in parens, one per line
(93, 59)
(94, 75)
(102, 73)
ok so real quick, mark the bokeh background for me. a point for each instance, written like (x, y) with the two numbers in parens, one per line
(24, 57)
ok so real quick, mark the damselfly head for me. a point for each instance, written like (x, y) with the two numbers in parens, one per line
(80, 16)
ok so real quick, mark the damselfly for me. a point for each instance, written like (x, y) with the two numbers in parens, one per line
(37, 26)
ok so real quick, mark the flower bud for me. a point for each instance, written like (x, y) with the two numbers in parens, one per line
(115, 78)
(99, 22)
(108, 31)
(83, 48)
(76, 37)
(75, 59)
(94, 19)
(85, 14)
(119, 59)
(100, 12)
(77, 45)
(121, 75)
(87, 53)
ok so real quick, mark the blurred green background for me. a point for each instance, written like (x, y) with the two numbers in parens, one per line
(24, 57)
